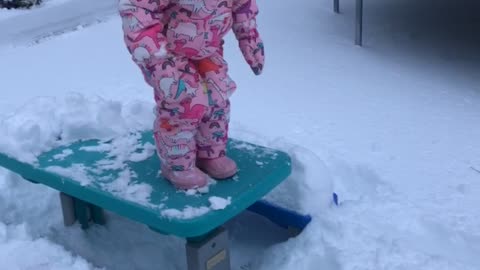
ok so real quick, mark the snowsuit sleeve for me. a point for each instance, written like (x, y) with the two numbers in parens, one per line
(143, 29)
(245, 29)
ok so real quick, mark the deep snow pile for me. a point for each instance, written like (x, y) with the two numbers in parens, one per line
(390, 127)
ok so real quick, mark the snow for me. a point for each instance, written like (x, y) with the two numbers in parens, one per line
(15, 240)
(77, 172)
(120, 150)
(389, 127)
(53, 17)
(217, 203)
(147, 151)
(65, 153)
(189, 212)
(46, 4)
(124, 187)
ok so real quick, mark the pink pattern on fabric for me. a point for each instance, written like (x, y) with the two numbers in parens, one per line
(178, 47)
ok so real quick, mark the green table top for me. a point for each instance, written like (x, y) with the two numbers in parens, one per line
(122, 176)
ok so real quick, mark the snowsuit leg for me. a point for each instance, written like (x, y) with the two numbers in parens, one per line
(181, 105)
(212, 134)
(193, 110)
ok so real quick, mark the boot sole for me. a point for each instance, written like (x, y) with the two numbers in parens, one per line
(224, 176)
(185, 186)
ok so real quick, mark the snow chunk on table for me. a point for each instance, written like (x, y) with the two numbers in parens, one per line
(218, 203)
(124, 187)
(77, 172)
(65, 153)
(189, 212)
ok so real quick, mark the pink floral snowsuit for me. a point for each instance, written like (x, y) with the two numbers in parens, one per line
(178, 46)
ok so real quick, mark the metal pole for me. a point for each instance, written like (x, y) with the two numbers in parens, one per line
(359, 23)
(68, 209)
(336, 6)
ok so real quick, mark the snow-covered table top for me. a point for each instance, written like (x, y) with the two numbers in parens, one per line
(122, 176)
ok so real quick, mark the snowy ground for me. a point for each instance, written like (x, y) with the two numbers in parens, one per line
(391, 127)
(52, 17)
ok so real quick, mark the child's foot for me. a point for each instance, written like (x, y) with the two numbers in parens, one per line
(192, 178)
(218, 168)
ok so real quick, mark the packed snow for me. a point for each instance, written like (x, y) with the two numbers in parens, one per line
(218, 203)
(390, 127)
(65, 153)
(77, 172)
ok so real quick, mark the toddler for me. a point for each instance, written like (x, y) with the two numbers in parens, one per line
(178, 45)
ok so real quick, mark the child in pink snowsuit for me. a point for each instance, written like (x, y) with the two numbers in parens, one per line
(178, 46)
